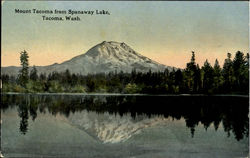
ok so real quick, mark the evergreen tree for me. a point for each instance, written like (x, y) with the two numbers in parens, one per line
(217, 80)
(227, 73)
(179, 79)
(197, 79)
(42, 77)
(66, 77)
(24, 72)
(91, 84)
(33, 74)
(190, 73)
(245, 80)
(239, 69)
(208, 77)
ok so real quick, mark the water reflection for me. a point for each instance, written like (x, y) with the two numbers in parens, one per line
(110, 128)
(231, 112)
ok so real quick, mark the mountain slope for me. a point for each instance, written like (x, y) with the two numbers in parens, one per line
(102, 58)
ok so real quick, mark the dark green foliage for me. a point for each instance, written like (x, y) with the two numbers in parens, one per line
(232, 78)
(218, 79)
(227, 73)
(197, 79)
(208, 77)
(239, 69)
(33, 74)
(91, 84)
(190, 73)
(24, 72)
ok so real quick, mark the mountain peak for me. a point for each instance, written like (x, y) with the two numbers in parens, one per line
(114, 44)
(108, 49)
(119, 56)
(111, 43)
(106, 56)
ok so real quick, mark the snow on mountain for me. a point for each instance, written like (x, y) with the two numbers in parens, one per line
(110, 128)
(102, 58)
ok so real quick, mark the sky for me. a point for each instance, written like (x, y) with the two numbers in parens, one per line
(164, 31)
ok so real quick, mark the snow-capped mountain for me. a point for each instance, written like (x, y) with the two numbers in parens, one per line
(111, 128)
(104, 57)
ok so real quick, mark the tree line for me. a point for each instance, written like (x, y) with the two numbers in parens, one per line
(231, 78)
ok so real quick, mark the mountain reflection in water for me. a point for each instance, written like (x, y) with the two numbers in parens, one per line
(110, 128)
(127, 115)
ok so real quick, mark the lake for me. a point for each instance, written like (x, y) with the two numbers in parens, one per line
(124, 126)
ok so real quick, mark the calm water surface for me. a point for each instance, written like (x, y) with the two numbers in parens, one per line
(124, 126)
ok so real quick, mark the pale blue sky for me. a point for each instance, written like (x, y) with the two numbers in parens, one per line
(164, 31)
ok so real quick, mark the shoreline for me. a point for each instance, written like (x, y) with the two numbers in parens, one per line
(121, 94)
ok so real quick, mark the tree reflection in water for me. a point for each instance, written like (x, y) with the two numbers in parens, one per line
(231, 111)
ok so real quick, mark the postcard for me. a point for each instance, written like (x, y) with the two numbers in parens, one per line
(130, 79)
